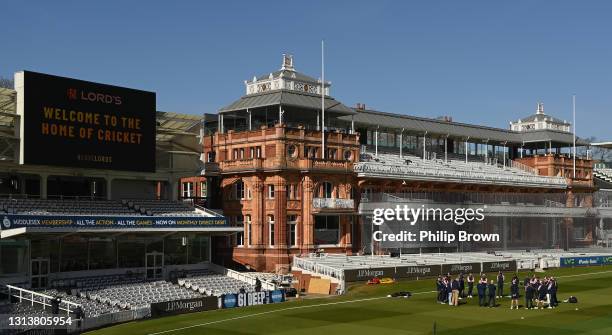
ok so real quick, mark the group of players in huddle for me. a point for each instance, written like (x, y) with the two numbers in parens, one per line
(538, 292)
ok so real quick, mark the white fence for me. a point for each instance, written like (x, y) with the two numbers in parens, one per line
(36, 298)
(32, 298)
(441, 173)
(243, 276)
(523, 167)
(333, 203)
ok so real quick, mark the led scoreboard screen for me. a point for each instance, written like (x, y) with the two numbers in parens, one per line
(75, 123)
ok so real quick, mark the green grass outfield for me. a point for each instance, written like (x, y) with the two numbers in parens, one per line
(367, 310)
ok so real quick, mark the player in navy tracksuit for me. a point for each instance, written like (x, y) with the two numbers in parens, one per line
(500, 284)
(553, 293)
(481, 287)
(514, 293)
(492, 291)
(455, 292)
(541, 295)
(441, 288)
(529, 292)
(461, 286)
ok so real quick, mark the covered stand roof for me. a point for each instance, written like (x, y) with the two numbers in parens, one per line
(421, 125)
(170, 124)
(8, 112)
(605, 145)
(287, 98)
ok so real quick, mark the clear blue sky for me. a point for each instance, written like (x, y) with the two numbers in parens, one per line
(483, 62)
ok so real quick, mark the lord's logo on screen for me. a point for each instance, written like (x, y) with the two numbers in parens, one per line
(81, 124)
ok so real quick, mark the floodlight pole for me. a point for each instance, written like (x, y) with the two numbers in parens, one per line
(401, 142)
(322, 99)
(574, 122)
(372, 238)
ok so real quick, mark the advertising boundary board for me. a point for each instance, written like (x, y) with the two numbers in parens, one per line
(351, 275)
(461, 268)
(417, 271)
(499, 266)
(234, 300)
(10, 221)
(184, 306)
(585, 261)
(355, 275)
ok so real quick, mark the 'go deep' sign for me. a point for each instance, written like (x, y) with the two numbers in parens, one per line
(252, 298)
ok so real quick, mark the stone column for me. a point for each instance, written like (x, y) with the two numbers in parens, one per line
(280, 212)
(343, 225)
(307, 238)
(257, 218)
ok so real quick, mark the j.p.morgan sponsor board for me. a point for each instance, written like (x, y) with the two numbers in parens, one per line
(585, 261)
(461, 268)
(184, 306)
(499, 266)
(252, 298)
(417, 271)
(365, 274)
(76, 123)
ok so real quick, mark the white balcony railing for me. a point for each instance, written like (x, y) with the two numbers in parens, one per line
(333, 203)
(443, 173)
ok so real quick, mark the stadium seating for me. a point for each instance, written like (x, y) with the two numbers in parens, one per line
(123, 291)
(410, 165)
(269, 277)
(138, 295)
(91, 308)
(214, 284)
(72, 207)
(95, 207)
(160, 207)
(604, 174)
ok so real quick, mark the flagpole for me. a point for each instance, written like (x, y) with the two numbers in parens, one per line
(574, 121)
(322, 100)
